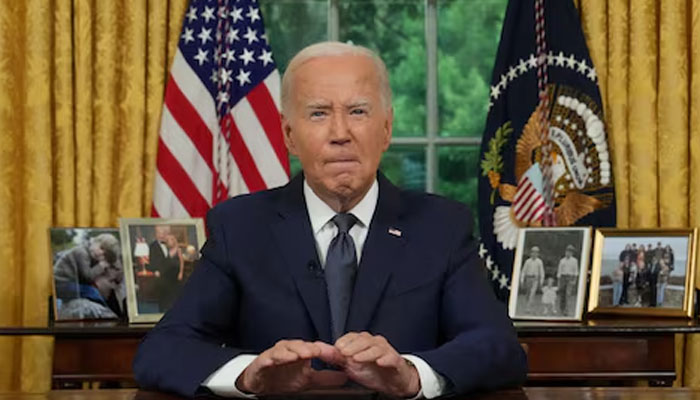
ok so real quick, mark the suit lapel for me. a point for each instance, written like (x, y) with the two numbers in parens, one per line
(296, 240)
(380, 255)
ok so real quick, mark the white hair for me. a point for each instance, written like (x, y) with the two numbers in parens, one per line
(330, 49)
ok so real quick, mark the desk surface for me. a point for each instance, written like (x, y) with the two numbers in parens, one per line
(634, 393)
(598, 326)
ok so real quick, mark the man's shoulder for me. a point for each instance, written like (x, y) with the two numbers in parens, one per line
(246, 207)
(434, 207)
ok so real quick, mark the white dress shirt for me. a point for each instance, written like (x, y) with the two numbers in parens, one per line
(223, 381)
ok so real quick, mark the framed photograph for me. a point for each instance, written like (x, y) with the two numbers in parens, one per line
(159, 255)
(88, 274)
(643, 272)
(549, 274)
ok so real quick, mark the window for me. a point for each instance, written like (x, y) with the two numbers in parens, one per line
(439, 54)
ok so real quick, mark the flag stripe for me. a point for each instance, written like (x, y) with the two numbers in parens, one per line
(526, 197)
(272, 82)
(244, 161)
(167, 204)
(195, 91)
(179, 182)
(265, 110)
(184, 151)
(189, 121)
(255, 139)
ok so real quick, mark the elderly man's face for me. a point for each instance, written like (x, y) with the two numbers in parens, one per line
(337, 124)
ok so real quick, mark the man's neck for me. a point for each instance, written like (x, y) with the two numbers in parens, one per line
(337, 201)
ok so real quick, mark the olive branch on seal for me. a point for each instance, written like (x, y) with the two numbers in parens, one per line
(492, 164)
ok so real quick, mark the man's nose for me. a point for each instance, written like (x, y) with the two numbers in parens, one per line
(340, 130)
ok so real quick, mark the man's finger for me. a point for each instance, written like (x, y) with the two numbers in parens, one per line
(326, 379)
(371, 354)
(360, 343)
(329, 354)
(305, 350)
(282, 355)
(390, 360)
(346, 339)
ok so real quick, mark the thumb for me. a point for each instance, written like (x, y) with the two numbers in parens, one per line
(327, 379)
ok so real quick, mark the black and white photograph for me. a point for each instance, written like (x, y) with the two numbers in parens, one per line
(88, 276)
(641, 271)
(549, 274)
(160, 255)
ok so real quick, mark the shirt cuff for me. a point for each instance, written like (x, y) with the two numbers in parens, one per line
(222, 382)
(432, 384)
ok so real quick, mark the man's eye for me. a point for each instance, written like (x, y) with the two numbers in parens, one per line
(358, 111)
(317, 114)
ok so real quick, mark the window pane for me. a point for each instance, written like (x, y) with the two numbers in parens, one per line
(468, 35)
(395, 30)
(458, 172)
(405, 166)
(292, 25)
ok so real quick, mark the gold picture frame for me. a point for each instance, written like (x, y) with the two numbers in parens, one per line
(649, 272)
(558, 291)
(159, 255)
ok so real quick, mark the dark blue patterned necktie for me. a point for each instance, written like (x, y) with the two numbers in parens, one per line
(340, 271)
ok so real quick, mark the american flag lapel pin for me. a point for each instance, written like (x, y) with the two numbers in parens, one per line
(395, 232)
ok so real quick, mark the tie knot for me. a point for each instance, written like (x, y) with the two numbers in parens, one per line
(344, 221)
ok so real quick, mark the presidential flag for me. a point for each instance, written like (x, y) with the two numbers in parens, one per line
(220, 132)
(544, 156)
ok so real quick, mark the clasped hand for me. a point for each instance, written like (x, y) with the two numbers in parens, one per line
(360, 357)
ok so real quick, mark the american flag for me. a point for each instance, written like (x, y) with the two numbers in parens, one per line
(528, 203)
(220, 132)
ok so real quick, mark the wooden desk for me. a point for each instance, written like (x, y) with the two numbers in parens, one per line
(615, 350)
(530, 393)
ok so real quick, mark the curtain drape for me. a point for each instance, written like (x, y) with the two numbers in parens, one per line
(647, 55)
(82, 84)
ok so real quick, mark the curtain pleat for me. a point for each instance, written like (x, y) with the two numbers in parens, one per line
(82, 86)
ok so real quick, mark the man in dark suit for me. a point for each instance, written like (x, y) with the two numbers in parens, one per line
(337, 269)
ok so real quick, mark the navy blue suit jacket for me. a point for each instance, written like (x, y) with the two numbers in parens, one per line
(259, 281)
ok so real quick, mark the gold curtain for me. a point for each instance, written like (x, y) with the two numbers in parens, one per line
(81, 89)
(647, 55)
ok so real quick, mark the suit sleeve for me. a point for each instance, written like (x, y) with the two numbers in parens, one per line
(190, 342)
(481, 350)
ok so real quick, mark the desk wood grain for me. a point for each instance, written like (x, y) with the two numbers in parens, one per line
(533, 393)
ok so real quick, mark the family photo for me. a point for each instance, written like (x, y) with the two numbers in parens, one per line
(549, 273)
(161, 256)
(88, 276)
(643, 272)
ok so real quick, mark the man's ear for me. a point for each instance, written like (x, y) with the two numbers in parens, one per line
(287, 134)
(388, 128)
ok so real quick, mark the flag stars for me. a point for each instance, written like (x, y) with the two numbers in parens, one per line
(550, 58)
(225, 76)
(214, 76)
(265, 57)
(532, 61)
(232, 35)
(503, 82)
(204, 35)
(243, 77)
(522, 66)
(192, 14)
(571, 62)
(495, 92)
(222, 97)
(208, 14)
(503, 282)
(236, 14)
(582, 67)
(230, 56)
(201, 56)
(247, 56)
(253, 14)
(495, 273)
(482, 250)
(251, 35)
(560, 59)
(188, 35)
(592, 74)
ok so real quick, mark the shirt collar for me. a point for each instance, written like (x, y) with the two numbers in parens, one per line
(320, 212)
